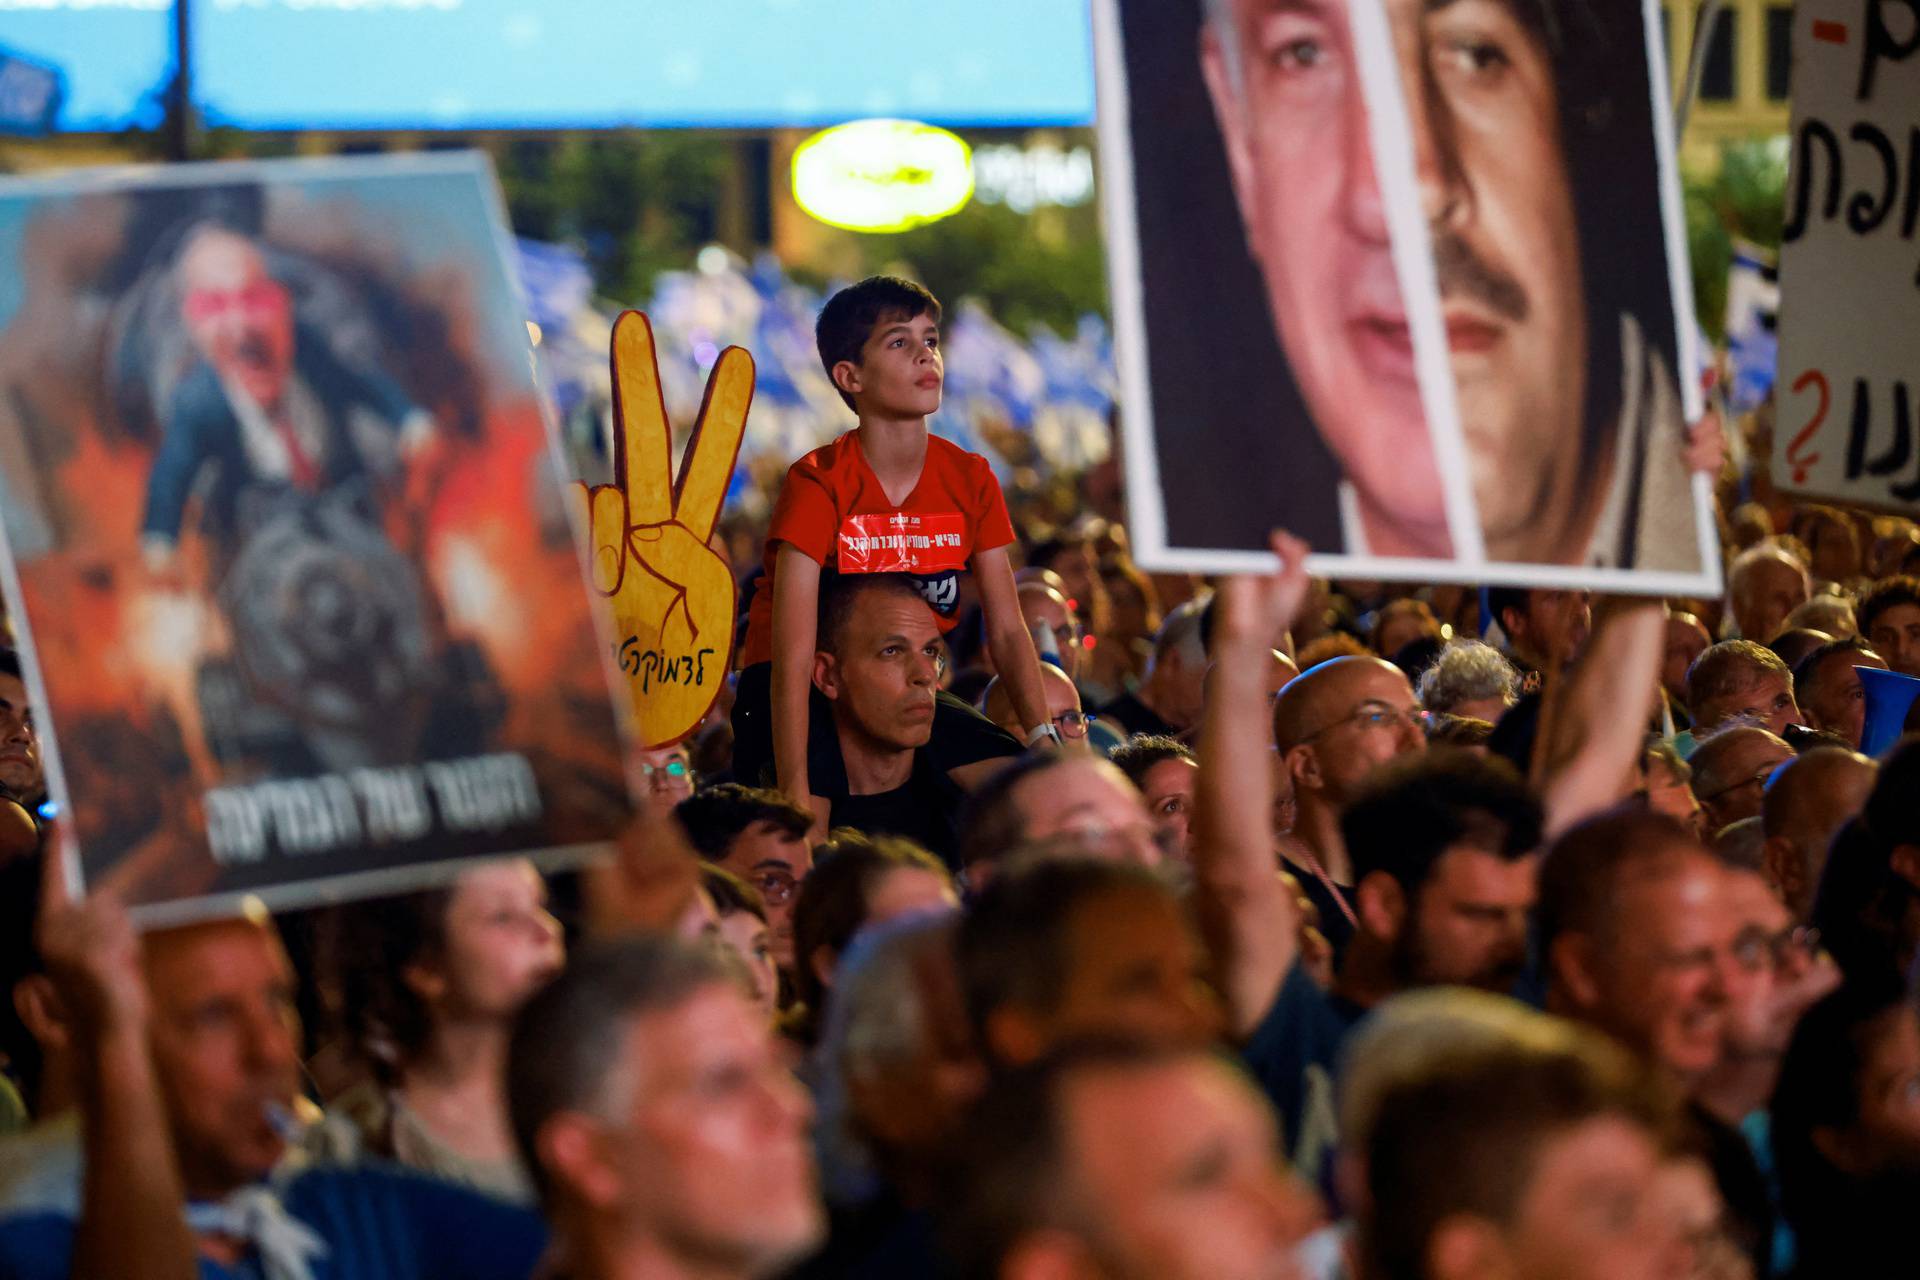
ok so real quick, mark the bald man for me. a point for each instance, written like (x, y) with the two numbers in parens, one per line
(1806, 802)
(1333, 726)
(1063, 707)
(1042, 605)
(1766, 585)
(1730, 772)
(1687, 639)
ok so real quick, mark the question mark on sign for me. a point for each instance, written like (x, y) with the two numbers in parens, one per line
(1799, 442)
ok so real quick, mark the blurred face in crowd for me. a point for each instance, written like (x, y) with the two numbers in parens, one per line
(1895, 636)
(705, 1148)
(1590, 1209)
(237, 315)
(1042, 606)
(773, 860)
(1686, 641)
(1737, 788)
(1063, 708)
(1090, 804)
(666, 775)
(1493, 185)
(1773, 977)
(1806, 804)
(882, 680)
(913, 1102)
(20, 774)
(1552, 627)
(1079, 578)
(1764, 591)
(1654, 974)
(1886, 1134)
(1359, 714)
(1468, 923)
(1833, 699)
(502, 944)
(908, 891)
(746, 935)
(1169, 787)
(1134, 967)
(1766, 698)
(1671, 794)
(225, 1046)
(1182, 1161)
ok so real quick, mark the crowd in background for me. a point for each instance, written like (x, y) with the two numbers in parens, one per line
(1316, 929)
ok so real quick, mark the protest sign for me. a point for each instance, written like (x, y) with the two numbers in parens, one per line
(670, 594)
(1426, 311)
(1849, 262)
(288, 551)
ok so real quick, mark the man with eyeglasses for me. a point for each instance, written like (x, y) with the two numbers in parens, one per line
(1333, 726)
(1730, 772)
(759, 835)
(1063, 708)
(1644, 934)
(666, 778)
(1046, 610)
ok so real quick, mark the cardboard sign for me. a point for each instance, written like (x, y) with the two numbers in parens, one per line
(1849, 384)
(1377, 284)
(670, 594)
(287, 553)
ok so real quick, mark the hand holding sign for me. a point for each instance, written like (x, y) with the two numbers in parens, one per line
(672, 595)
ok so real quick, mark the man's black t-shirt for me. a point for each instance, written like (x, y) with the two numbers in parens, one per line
(923, 811)
(1133, 716)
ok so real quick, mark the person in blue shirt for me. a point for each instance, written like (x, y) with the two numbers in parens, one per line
(186, 1047)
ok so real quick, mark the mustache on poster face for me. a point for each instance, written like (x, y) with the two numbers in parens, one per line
(1464, 274)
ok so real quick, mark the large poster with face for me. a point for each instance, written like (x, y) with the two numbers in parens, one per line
(288, 557)
(1849, 266)
(1407, 278)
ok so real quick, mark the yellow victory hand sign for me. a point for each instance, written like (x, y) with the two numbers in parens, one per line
(671, 596)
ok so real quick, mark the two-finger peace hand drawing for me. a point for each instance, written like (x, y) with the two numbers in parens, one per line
(670, 595)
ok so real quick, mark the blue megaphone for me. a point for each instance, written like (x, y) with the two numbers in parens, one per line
(1890, 697)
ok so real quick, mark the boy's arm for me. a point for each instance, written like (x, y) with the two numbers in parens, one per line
(1247, 911)
(1008, 639)
(796, 608)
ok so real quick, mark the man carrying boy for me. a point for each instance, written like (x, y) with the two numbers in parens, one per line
(886, 497)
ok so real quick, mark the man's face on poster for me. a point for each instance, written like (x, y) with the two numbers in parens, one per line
(1492, 177)
(239, 317)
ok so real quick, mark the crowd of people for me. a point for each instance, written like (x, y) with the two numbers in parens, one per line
(1020, 915)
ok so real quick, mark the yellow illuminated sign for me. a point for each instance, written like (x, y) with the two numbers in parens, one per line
(882, 175)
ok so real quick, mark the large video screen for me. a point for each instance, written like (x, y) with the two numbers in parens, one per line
(114, 56)
(482, 64)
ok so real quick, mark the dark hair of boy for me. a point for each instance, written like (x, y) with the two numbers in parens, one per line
(851, 316)
(716, 816)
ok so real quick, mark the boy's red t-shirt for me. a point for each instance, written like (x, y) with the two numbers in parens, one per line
(833, 510)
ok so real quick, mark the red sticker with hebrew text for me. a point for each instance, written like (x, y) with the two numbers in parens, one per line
(903, 542)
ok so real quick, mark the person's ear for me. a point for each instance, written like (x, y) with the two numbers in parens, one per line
(1513, 624)
(1048, 1254)
(1906, 863)
(1573, 966)
(826, 675)
(1225, 86)
(1780, 864)
(1463, 1247)
(1381, 905)
(568, 1145)
(425, 981)
(847, 376)
(1013, 1035)
(37, 1002)
(823, 963)
(1303, 762)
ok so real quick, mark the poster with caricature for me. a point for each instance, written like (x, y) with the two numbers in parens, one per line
(289, 557)
(1408, 279)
